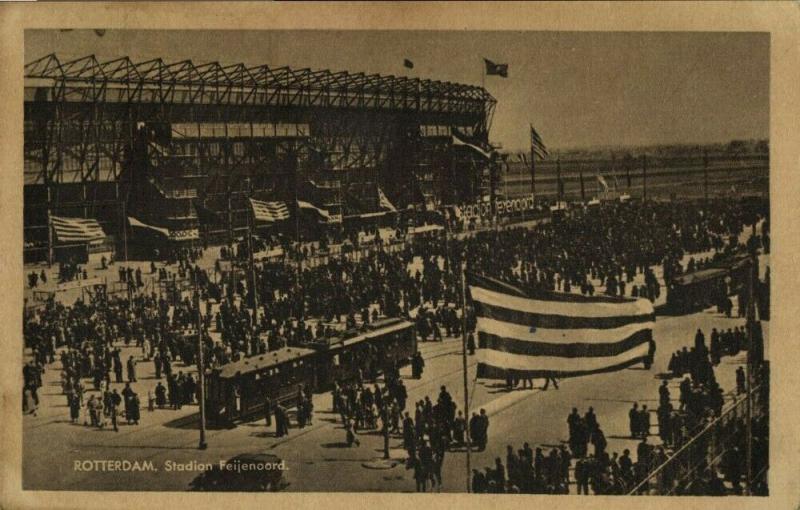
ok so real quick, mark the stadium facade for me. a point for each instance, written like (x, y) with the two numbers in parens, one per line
(181, 147)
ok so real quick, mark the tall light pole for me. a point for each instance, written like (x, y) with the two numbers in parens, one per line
(464, 364)
(751, 319)
(201, 370)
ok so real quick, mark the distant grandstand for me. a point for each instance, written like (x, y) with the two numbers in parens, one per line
(165, 154)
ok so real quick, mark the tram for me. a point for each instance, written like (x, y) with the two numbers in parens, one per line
(237, 391)
(708, 287)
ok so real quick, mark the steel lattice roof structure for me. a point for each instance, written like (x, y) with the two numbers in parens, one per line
(154, 80)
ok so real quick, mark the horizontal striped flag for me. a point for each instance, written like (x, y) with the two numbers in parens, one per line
(269, 212)
(558, 334)
(537, 145)
(77, 230)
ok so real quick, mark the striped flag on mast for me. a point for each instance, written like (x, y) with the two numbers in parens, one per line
(77, 230)
(537, 145)
(269, 212)
(558, 334)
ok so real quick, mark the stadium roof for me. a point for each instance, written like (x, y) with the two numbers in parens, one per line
(213, 82)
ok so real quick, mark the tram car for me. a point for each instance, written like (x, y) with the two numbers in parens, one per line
(237, 391)
(384, 345)
(708, 287)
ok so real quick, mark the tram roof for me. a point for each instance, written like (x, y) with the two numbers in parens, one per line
(262, 361)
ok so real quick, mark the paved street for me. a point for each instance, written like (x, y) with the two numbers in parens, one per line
(316, 456)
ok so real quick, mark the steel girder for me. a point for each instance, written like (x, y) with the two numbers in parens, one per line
(122, 80)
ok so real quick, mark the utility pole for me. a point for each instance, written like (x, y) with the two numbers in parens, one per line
(644, 176)
(464, 364)
(705, 176)
(201, 370)
(751, 319)
(253, 279)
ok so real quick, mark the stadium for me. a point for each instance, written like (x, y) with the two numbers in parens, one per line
(164, 155)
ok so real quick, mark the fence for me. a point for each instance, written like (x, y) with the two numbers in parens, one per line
(706, 449)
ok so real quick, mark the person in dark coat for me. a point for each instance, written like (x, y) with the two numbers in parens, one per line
(133, 409)
(161, 395)
(74, 407)
(131, 369)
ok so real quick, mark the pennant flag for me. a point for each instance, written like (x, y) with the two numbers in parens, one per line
(269, 212)
(537, 145)
(136, 223)
(558, 334)
(77, 230)
(324, 216)
(384, 202)
(459, 140)
(493, 69)
(602, 182)
(408, 64)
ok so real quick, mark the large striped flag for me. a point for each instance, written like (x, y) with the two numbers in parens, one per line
(557, 334)
(269, 212)
(77, 230)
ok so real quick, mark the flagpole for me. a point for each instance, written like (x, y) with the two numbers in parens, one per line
(533, 169)
(250, 226)
(464, 363)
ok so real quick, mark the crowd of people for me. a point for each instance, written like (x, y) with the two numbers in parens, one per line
(297, 305)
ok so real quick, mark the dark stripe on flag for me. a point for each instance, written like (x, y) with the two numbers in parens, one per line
(491, 372)
(540, 320)
(563, 297)
(566, 350)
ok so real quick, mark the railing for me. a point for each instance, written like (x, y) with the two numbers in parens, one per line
(706, 448)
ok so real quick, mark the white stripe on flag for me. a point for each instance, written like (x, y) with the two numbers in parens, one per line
(570, 309)
(460, 142)
(269, 211)
(558, 364)
(559, 336)
(136, 223)
(384, 201)
(322, 212)
(76, 229)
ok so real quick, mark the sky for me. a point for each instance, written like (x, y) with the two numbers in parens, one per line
(579, 89)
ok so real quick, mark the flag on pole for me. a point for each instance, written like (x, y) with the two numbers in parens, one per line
(136, 223)
(384, 202)
(558, 334)
(537, 145)
(460, 140)
(77, 230)
(324, 216)
(602, 182)
(269, 212)
(493, 69)
(408, 64)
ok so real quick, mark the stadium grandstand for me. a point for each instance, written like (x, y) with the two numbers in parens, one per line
(166, 155)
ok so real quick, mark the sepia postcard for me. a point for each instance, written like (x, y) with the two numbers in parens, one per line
(318, 254)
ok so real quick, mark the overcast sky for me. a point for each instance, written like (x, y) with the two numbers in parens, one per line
(578, 88)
